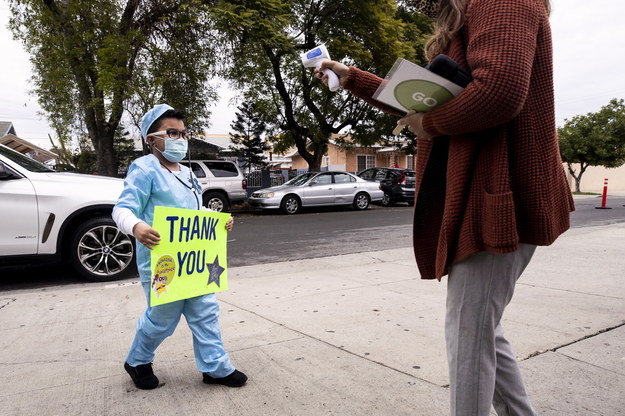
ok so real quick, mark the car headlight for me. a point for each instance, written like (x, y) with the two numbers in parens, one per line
(265, 194)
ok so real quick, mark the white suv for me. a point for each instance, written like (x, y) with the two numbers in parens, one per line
(222, 183)
(46, 214)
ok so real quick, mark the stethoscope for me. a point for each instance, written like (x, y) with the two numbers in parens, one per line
(190, 187)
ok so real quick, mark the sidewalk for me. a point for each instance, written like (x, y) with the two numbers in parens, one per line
(357, 334)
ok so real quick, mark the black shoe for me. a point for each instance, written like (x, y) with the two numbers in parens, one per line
(236, 379)
(142, 375)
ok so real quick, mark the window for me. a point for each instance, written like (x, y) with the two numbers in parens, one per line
(382, 174)
(222, 169)
(301, 179)
(24, 161)
(343, 178)
(197, 170)
(367, 174)
(410, 161)
(323, 179)
(365, 161)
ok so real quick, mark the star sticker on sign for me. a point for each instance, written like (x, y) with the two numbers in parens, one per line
(214, 271)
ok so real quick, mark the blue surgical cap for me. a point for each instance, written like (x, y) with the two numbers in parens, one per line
(150, 117)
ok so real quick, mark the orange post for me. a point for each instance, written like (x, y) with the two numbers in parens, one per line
(605, 195)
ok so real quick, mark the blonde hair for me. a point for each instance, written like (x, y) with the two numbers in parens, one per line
(449, 21)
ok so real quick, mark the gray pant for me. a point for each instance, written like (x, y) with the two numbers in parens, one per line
(482, 366)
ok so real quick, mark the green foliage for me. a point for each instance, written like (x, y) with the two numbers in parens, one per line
(594, 139)
(96, 61)
(101, 65)
(248, 129)
(263, 40)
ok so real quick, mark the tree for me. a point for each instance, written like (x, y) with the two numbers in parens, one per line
(247, 140)
(75, 154)
(594, 139)
(94, 61)
(263, 40)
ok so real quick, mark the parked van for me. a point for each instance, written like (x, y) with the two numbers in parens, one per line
(222, 183)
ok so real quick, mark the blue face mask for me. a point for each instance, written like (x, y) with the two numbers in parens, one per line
(175, 150)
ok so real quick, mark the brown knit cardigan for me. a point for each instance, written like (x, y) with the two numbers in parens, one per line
(492, 177)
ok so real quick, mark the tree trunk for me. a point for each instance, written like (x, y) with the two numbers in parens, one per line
(578, 179)
(105, 156)
(319, 149)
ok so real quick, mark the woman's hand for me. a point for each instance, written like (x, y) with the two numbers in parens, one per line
(230, 224)
(338, 68)
(414, 122)
(146, 235)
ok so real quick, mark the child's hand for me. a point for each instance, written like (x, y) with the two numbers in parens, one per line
(146, 235)
(230, 224)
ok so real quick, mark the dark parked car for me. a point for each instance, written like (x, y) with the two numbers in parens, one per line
(398, 184)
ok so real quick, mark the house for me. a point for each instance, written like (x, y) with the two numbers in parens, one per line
(222, 143)
(356, 157)
(9, 138)
(277, 162)
(351, 159)
(217, 145)
(6, 127)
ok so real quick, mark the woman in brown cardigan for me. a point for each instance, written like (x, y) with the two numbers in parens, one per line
(490, 183)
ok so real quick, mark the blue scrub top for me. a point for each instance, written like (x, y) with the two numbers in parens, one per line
(148, 185)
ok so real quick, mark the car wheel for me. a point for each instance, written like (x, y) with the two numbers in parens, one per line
(361, 201)
(386, 200)
(290, 204)
(101, 252)
(216, 201)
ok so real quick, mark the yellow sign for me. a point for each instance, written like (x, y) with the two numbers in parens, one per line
(191, 258)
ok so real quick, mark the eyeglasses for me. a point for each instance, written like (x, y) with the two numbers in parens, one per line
(172, 134)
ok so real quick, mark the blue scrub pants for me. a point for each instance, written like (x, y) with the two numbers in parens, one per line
(159, 322)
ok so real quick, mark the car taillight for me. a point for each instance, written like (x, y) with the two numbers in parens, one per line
(244, 183)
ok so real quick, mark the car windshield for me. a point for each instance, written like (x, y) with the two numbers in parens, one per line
(301, 179)
(24, 161)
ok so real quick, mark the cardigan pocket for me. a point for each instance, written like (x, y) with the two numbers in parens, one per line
(499, 229)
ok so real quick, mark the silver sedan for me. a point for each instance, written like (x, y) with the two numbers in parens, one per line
(315, 189)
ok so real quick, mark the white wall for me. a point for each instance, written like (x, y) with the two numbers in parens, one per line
(592, 179)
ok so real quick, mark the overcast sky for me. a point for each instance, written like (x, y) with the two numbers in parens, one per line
(589, 62)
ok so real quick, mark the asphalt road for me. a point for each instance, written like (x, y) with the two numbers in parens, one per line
(274, 237)
(260, 238)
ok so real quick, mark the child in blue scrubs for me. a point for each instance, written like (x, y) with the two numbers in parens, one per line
(157, 179)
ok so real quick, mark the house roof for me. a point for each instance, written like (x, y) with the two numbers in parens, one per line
(219, 140)
(334, 136)
(25, 147)
(6, 127)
